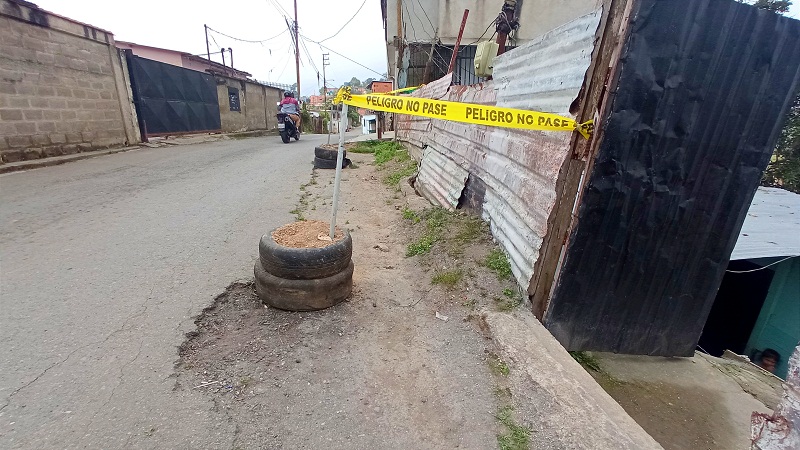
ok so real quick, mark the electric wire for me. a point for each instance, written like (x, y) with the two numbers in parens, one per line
(339, 54)
(762, 268)
(346, 23)
(425, 13)
(247, 40)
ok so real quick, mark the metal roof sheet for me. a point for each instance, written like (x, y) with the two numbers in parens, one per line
(771, 227)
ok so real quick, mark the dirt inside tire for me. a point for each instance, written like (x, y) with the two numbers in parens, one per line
(306, 234)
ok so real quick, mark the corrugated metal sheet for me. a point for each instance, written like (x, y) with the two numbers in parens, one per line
(772, 226)
(697, 108)
(440, 179)
(516, 169)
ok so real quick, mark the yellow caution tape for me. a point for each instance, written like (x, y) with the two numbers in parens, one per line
(465, 112)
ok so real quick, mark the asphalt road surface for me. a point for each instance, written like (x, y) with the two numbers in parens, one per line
(104, 263)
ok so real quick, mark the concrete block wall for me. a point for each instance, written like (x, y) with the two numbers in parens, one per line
(257, 104)
(61, 84)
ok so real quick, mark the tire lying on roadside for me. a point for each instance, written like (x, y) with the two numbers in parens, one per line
(329, 163)
(305, 263)
(324, 153)
(303, 295)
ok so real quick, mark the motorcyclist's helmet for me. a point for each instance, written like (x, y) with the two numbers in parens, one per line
(288, 94)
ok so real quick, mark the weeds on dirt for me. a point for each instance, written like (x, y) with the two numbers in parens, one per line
(497, 261)
(517, 437)
(410, 214)
(511, 301)
(435, 221)
(302, 204)
(588, 361)
(498, 366)
(448, 279)
(406, 169)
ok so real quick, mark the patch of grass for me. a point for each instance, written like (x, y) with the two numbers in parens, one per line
(421, 246)
(502, 393)
(517, 437)
(449, 279)
(410, 214)
(508, 292)
(588, 361)
(470, 230)
(366, 146)
(498, 366)
(497, 261)
(401, 173)
(389, 150)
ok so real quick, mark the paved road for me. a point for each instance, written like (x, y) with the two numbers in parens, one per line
(104, 263)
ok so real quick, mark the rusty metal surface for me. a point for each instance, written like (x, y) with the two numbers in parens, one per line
(516, 169)
(440, 179)
(702, 92)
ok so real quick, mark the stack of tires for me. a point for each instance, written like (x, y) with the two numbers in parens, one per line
(304, 279)
(326, 158)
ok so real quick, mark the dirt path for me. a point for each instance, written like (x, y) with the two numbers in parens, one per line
(378, 371)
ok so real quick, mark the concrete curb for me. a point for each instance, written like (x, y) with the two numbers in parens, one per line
(58, 160)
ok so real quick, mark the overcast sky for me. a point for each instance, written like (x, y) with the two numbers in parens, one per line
(178, 25)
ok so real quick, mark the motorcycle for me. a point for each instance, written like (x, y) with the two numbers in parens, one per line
(287, 129)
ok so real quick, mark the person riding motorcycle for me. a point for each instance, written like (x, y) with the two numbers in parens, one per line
(289, 105)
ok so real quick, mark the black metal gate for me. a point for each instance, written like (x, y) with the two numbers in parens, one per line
(171, 99)
(702, 92)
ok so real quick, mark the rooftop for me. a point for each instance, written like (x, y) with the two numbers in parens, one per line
(772, 226)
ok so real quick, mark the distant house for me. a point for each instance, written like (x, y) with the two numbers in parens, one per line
(758, 303)
(316, 100)
(183, 59)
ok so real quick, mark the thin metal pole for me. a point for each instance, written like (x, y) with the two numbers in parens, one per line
(458, 42)
(222, 50)
(296, 50)
(339, 160)
(325, 95)
(230, 50)
(208, 49)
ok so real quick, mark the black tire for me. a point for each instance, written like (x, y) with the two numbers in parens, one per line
(324, 153)
(297, 136)
(285, 137)
(303, 295)
(305, 263)
(329, 163)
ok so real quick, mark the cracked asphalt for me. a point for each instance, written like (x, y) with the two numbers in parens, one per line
(104, 263)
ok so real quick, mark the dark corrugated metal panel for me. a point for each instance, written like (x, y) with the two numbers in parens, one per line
(517, 169)
(699, 102)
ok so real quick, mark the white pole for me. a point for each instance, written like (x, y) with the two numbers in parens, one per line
(339, 160)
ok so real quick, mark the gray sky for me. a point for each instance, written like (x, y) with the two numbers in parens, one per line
(178, 25)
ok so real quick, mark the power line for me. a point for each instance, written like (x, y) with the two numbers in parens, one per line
(279, 8)
(414, 10)
(425, 13)
(346, 23)
(337, 53)
(410, 22)
(247, 40)
(760, 268)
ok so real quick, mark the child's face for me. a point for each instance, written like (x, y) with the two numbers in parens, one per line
(769, 363)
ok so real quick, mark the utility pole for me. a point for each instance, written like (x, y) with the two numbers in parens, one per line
(296, 50)
(208, 49)
(506, 23)
(326, 61)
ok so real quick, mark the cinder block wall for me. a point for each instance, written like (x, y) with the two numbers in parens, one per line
(60, 86)
(257, 104)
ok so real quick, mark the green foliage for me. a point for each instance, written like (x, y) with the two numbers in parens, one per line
(401, 173)
(435, 221)
(498, 262)
(517, 437)
(508, 292)
(448, 279)
(305, 117)
(498, 366)
(410, 214)
(353, 116)
(776, 6)
(783, 170)
(587, 361)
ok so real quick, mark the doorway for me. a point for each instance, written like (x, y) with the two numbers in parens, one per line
(736, 308)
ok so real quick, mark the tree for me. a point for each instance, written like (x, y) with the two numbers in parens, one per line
(776, 6)
(354, 82)
(783, 170)
(367, 82)
(353, 115)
